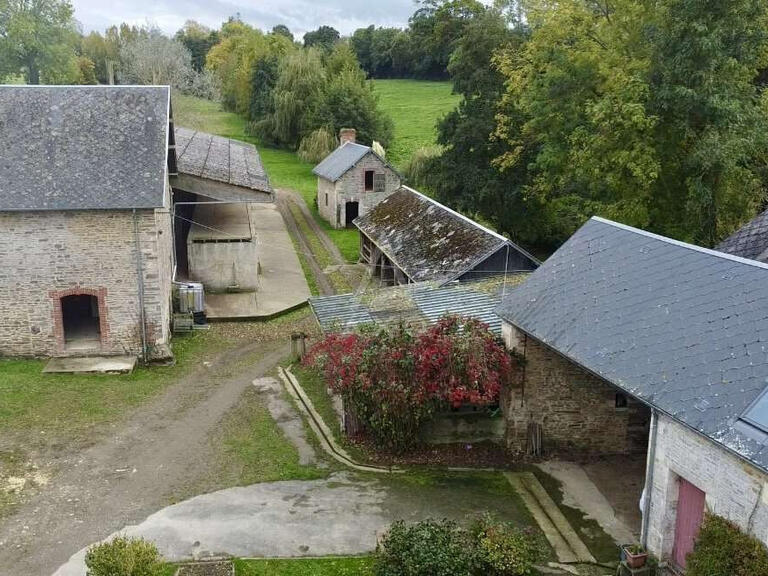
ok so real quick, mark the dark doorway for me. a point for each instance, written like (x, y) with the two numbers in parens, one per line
(352, 211)
(80, 316)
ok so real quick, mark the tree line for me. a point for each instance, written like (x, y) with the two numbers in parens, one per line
(653, 114)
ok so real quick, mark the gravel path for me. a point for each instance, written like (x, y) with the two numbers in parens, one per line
(134, 471)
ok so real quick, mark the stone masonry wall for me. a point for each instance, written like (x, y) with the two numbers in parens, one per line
(351, 188)
(44, 255)
(734, 488)
(576, 410)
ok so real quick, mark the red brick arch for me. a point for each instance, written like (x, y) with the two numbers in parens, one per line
(58, 319)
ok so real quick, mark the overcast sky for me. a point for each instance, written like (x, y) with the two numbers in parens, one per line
(298, 15)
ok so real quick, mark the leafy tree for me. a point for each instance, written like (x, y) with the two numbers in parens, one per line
(323, 38)
(156, 59)
(283, 30)
(86, 71)
(37, 38)
(198, 39)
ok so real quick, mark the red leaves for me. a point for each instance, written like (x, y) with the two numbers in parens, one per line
(395, 379)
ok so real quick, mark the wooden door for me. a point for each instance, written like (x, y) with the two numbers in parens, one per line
(690, 513)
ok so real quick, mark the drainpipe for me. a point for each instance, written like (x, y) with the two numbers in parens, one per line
(649, 478)
(140, 281)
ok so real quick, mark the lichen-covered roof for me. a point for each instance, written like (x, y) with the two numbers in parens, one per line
(220, 159)
(749, 241)
(429, 241)
(340, 161)
(83, 147)
(682, 328)
(413, 304)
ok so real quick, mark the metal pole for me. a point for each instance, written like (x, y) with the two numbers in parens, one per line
(140, 281)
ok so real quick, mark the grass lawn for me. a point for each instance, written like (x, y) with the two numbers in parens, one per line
(48, 406)
(415, 106)
(350, 566)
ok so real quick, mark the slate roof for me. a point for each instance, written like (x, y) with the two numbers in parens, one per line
(83, 147)
(220, 159)
(749, 241)
(427, 240)
(415, 304)
(340, 161)
(682, 328)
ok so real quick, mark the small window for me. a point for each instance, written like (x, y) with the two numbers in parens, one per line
(621, 400)
(379, 183)
(368, 180)
(326, 198)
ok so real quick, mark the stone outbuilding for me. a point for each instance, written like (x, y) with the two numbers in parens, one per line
(86, 243)
(408, 237)
(639, 344)
(351, 180)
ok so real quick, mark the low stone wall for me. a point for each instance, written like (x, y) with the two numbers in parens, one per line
(450, 428)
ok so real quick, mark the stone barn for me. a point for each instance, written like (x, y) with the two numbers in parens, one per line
(645, 346)
(86, 240)
(408, 237)
(352, 180)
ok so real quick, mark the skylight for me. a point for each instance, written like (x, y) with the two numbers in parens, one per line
(757, 413)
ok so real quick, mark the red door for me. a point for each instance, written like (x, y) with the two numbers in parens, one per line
(690, 513)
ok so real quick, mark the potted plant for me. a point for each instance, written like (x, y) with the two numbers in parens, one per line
(634, 555)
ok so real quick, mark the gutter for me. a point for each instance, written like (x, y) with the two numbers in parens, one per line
(649, 469)
(140, 283)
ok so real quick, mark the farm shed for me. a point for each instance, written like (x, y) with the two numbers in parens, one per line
(218, 181)
(408, 237)
(351, 180)
(629, 335)
(85, 223)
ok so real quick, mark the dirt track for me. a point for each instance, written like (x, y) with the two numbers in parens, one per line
(161, 451)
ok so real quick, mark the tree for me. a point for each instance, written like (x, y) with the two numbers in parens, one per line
(37, 37)
(704, 88)
(198, 39)
(282, 30)
(323, 38)
(156, 59)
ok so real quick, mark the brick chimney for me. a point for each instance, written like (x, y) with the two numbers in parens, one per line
(347, 135)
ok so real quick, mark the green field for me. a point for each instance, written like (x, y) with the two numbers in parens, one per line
(415, 106)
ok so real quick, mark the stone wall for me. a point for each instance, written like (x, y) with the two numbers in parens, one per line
(734, 488)
(577, 411)
(351, 188)
(44, 255)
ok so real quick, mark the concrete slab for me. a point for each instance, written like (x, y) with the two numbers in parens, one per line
(580, 492)
(281, 285)
(100, 364)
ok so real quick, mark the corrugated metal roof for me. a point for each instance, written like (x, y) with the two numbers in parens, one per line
(681, 327)
(414, 304)
(220, 159)
(338, 162)
(83, 147)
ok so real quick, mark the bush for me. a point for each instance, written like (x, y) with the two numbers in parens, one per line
(393, 380)
(429, 548)
(723, 550)
(317, 145)
(417, 170)
(504, 550)
(123, 556)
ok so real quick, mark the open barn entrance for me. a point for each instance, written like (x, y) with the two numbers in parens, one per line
(352, 211)
(80, 317)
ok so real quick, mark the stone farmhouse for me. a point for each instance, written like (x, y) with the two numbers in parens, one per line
(90, 181)
(638, 344)
(408, 237)
(351, 180)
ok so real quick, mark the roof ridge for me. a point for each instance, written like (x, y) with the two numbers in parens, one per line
(681, 244)
(466, 218)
